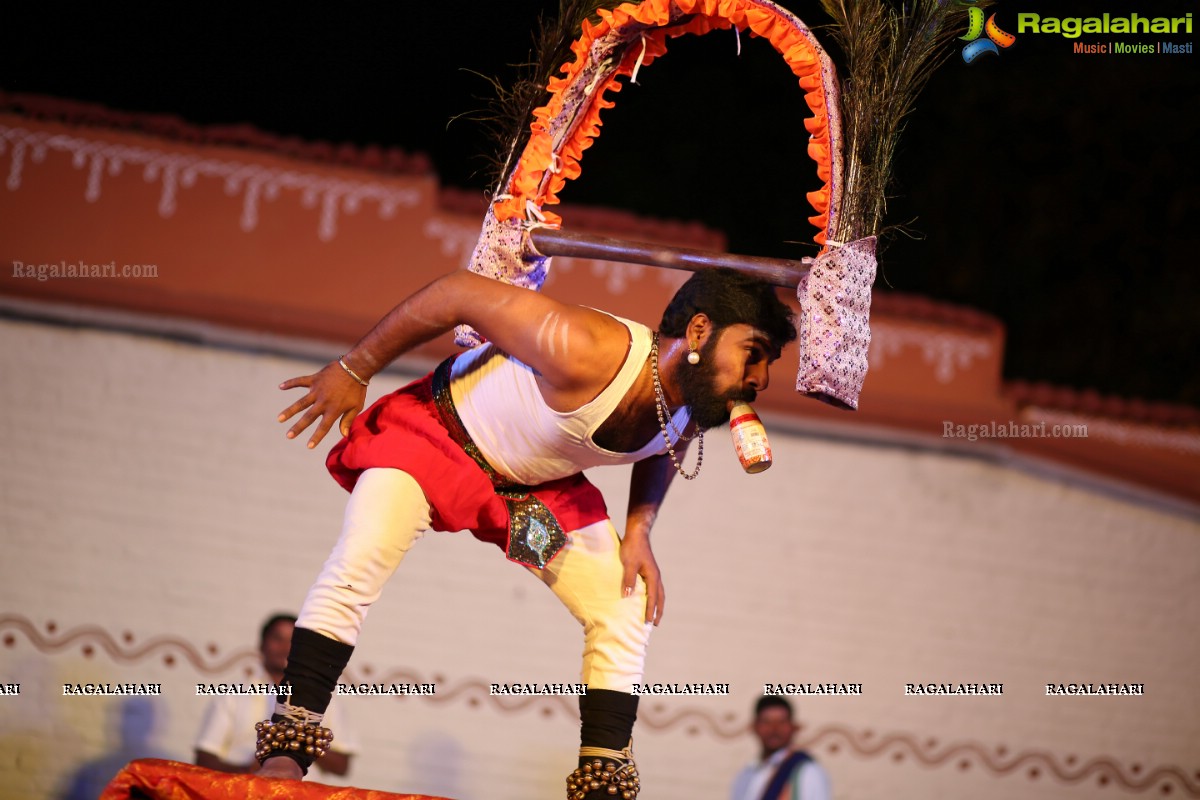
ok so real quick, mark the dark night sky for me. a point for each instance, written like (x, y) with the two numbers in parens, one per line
(1055, 190)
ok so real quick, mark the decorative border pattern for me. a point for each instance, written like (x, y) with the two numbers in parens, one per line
(1099, 771)
(92, 638)
(173, 128)
(999, 760)
(1123, 432)
(457, 240)
(945, 352)
(176, 171)
(618, 277)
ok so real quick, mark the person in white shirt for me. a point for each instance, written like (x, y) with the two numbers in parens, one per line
(781, 773)
(226, 741)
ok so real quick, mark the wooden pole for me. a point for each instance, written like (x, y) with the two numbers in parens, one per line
(555, 242)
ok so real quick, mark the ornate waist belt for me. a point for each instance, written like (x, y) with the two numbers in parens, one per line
(534, 535)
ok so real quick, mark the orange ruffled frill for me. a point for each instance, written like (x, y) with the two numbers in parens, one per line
(532, 179)
(170, 780)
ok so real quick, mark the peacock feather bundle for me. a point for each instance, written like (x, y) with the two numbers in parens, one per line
(889, 51)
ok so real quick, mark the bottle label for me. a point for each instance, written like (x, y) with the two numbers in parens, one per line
(749, 439)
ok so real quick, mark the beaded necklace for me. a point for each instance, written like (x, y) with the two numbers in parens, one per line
(665, 418)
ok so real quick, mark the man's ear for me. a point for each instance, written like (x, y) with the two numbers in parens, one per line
(698, 329)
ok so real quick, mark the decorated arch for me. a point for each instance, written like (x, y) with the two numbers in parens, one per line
(890, 51)
(630, 37)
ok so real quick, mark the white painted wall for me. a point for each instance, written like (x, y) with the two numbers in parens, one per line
(146, 492)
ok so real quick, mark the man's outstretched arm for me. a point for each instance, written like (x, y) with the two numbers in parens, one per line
(575, 350)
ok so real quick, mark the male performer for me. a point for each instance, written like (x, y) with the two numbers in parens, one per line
(494, 442)
(781, 773)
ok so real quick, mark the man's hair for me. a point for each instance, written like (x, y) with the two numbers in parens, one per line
(729, 297)
(271, 623)
(772, 701)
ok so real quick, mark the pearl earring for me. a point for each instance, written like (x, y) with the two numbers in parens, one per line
(693, 357)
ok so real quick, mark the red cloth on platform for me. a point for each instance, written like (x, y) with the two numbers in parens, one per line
(403, 430)
(158, 779)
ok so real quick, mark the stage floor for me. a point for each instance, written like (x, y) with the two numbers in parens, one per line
(157, 779)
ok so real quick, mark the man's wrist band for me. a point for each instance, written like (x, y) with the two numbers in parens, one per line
(350, 372)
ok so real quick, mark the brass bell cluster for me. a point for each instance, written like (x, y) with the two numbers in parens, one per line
(606, 777)
(278, 738)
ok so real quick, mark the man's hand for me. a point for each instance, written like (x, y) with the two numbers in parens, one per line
(280, 767)
(332, 393)
(637, 559)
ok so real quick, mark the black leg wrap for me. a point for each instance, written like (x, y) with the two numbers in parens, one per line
(606, 767)
(606, 718)
(315, 663)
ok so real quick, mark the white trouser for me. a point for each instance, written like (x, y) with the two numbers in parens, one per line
(388, 511)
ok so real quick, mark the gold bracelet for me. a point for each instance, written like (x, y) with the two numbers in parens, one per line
(350, 372)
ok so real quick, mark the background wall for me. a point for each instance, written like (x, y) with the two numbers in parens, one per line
(153, 515)
(241, 230)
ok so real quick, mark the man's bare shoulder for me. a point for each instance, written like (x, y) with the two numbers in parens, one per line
(574, 348)
(585, 349)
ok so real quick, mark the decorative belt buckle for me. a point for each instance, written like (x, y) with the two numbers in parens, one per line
(534, 535)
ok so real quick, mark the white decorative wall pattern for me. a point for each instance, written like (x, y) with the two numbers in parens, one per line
(618, 276)
(180, 170)
(1122, 432)
(945, 352)
(457, 241)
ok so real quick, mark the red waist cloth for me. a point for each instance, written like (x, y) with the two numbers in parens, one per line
(170, 780)
(402, 430)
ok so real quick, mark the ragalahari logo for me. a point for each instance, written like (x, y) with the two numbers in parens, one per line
(976, 27)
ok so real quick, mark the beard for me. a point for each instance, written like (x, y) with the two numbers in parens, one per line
(698, 387)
